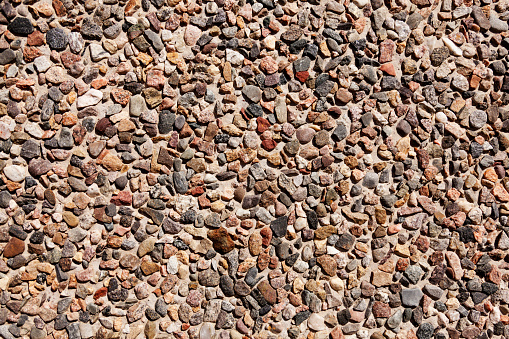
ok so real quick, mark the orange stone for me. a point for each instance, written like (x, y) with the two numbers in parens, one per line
(99, 83)
(490, 174)
(302, 76)
(121, 96)
(388, 68)
(30, 53)
(100, 293)
(500, 193)
(59, 8)
(35, 39)
(14, 247)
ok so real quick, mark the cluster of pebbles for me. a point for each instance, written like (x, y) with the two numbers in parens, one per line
(226, 169)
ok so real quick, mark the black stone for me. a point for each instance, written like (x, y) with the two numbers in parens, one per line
(37, 237)
(345, 241)
(20, 26)
(226, 283)
(166, 121)
(301, 317)
(425, 331)
(466, 234)
(254, 111)
(489, 288)
(180, 182)
(312, 219)
(151, 314)
(61, 322)
(5, 198)
(188, 217)
(56, 39)
(279, 226)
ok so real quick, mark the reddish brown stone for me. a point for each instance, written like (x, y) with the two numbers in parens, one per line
(263, 261)
(30, 53)
(302, 76)
(328, 264)
(123, 198)
(336, 333)
(344, 95)
(381, 310)
(266, 234)
(59, 8)
(268, 292)
(423, 158)
(203, 201)
(14, 247)
(121, 96)
(35, 39)
(402, 264)
(221, 240)
(155, 78)
(100, 215)
(495, 276)
(388, 68)
(197, 191)
(422, 243)
(386, 51)
(100, 293)
(269, 144)
(268, 65)
(262, 124)
(69, 59)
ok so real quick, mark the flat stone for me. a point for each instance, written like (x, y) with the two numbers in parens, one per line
(90, 98)
(411, 297)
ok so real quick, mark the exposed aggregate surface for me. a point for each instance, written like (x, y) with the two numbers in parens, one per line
(254, 169)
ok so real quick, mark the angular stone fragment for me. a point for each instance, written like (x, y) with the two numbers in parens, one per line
(221, 240)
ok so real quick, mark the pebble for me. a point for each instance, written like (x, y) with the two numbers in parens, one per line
(90, 98)
(15, 173)
(56, 38)
(478, 119)
(20, 26)
(411, 297)
(7, 56)
(316, 322)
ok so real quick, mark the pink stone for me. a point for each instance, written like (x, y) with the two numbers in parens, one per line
(155, 78)
(393, 229)
(455, 264)
(192, 35)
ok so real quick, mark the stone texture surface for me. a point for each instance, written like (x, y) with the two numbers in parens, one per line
(254, 169)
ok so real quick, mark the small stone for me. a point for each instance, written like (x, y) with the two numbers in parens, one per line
(425, 331)
(411, 297)
(90, 98)
(253, 93)
(15, 173)
(56, 38)
(14, 247)
(370, 180)
(478, 119)
(192, 35)
(316, 322)
(7, 56)
(221, 240)
(279, 226)
(20, 26)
